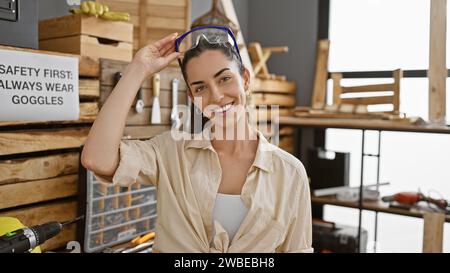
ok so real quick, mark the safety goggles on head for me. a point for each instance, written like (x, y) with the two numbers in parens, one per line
(212, 34)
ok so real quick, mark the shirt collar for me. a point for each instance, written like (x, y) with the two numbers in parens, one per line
(263, 158)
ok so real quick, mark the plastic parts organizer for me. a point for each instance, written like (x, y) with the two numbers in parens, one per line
(116, 214)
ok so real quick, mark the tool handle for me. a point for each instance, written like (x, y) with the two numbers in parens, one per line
(156, 85)
(175, 92)
(441, 203)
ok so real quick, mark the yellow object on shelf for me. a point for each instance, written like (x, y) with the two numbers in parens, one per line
(100, 10)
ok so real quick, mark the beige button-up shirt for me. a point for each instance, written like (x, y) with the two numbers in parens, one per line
(187, 175)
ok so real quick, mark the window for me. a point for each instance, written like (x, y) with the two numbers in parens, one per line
(383, 35)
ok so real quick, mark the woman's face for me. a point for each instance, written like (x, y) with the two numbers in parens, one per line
(217, 87)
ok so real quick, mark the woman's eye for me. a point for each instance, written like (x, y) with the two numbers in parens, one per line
(225, 79)
(200, 88)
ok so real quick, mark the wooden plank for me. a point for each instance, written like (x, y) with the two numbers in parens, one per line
(93, 48)
(82, 120)
(167, 12)
(369, 124)
(23, 193)
(42, 140)
(110, 67)
(90, 47)
(187, 15)
(76, 24)
(433, 232)
(142, 22)
(369, 205)
(88, 67)
(274, 86)
(144, 118)
(156, 33)
(368, 100)
(70, 45)
(230, 13)
(38, 168)
(144, 132)
(368, 88)
(165, 23)
(89, 88)
(337, 89)
(165, 96)
(398, 74)
(175, 3)
(321, 75)
(123, 6)
(89, 109)
(40, 214)
(266, 114)
(437, 71)
(273, 99)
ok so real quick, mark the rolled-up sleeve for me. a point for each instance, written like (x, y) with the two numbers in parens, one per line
(299, 235)
(138, 163)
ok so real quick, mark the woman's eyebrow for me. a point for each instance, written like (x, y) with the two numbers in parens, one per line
(215, 76)
(220, 72)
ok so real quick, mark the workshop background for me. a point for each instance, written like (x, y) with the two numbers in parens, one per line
(311, 57)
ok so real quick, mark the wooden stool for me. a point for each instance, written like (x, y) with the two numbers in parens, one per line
(260, 56)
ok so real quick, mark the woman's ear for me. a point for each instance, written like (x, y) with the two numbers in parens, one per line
(246, 78)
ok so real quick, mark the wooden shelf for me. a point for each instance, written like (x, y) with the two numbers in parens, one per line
(366, 124)
(371, 206)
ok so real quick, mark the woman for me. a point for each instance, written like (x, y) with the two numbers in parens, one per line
(217, 194)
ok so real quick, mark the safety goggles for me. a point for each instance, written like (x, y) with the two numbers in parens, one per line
(212, 34)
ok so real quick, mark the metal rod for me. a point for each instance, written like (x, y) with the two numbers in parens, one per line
(72, 221)
(378, 186)
(360, 202)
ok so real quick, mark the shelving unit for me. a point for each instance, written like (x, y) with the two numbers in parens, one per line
(363, 125)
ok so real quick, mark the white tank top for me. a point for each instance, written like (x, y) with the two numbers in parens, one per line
(229, 211)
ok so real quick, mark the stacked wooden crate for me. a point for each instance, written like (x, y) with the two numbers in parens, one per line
(87, 36)
(39, 161)
(278, 93)
(154, 19)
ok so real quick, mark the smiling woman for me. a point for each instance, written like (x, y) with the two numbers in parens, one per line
(233, 194)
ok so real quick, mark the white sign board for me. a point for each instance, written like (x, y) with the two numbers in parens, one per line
(38, 87)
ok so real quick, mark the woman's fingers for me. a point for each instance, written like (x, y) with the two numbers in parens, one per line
(172, 56)
(165, 41)
(168, 48)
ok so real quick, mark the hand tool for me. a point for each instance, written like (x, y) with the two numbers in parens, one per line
(25, 239)
(156, 111)
(174, 117)
(411, 198)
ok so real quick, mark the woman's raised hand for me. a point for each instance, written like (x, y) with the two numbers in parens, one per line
(155, 57)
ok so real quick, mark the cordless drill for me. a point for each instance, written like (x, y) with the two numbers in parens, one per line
(25, 239)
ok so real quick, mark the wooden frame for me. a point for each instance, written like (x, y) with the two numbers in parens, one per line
(367, 94)
(437, 71)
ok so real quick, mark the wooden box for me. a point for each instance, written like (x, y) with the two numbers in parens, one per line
(87, 36)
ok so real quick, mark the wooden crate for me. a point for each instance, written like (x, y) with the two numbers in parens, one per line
(40, 160)
(87, 36)
(154, 19)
